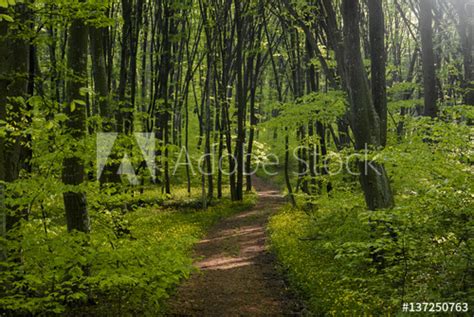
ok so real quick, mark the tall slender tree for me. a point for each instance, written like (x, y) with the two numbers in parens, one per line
(428, 58)
(75, 203)
(240, 98)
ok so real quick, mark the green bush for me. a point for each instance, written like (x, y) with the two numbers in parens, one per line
(349, 261)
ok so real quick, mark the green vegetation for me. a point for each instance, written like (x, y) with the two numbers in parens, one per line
(128, 127)
(128, 265)
(424, 245)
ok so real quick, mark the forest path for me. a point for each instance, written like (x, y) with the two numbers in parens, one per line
(238, 276)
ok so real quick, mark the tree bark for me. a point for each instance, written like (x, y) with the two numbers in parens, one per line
(378, 68)
(123, 117)
(365, 120)
(75, 204)
(291, 196)
(240, 102)
(99, 70)
(428, 58)
(14, 71)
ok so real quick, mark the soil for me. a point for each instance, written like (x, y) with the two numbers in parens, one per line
(238, 275)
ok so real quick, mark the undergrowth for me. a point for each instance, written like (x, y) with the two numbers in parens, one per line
(347, 260)
(127, 266)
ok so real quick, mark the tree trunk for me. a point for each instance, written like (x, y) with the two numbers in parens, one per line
(208, 126)
(14, 69)
(365, 120)
(291, 196)
(428, 57)
(253, 123)
(123, 117)
(378, 57)
(240, 102)
(75, 203)
(134, 39)
(99, 70)
(162, 121)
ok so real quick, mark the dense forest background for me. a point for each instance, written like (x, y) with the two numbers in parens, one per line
(127, 128)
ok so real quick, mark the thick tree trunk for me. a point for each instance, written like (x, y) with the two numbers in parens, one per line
(428, 57)
(14, 68)
(77, 215)
(365, 120)
(14, 71)
(14, 79)
(378, 57)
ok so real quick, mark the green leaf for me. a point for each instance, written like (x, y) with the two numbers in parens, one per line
(79, 102)
(49, 125)
(5, 17)
(84, 91)
(3, 4)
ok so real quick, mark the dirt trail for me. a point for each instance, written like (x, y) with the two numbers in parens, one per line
(238, 276)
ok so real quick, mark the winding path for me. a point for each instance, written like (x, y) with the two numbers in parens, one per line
(238, 276)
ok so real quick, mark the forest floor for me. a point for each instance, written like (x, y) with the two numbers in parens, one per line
(238, 275)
